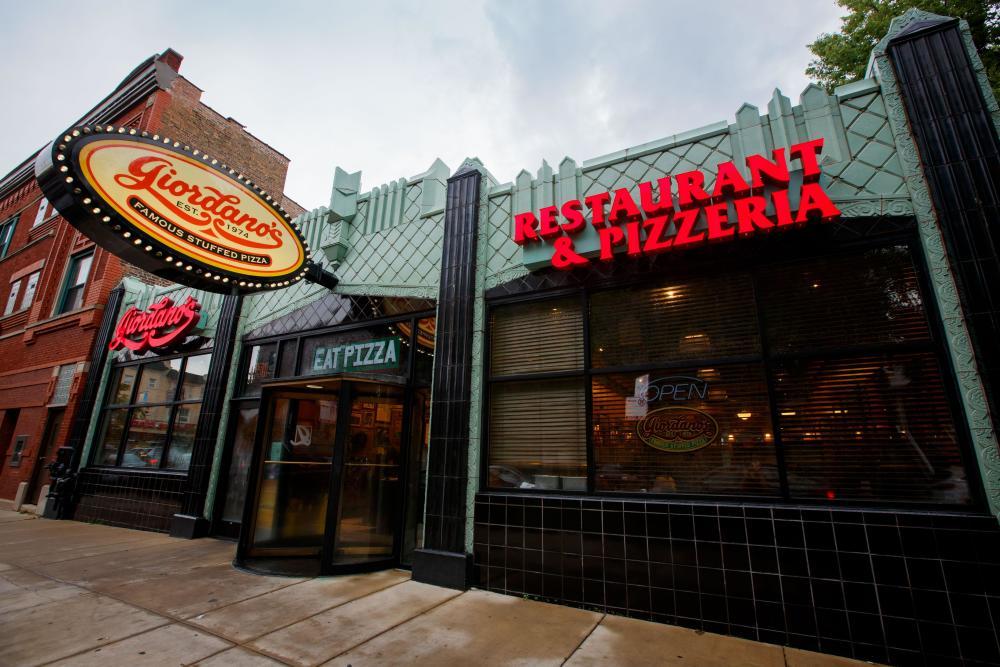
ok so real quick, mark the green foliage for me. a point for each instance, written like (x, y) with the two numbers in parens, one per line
(843, 56)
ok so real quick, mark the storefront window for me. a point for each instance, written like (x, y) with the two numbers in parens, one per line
(261, 364)
(811, 379)
(692, 430)
(706, 318)
(153, 425)
(239, 462)
(537, 427)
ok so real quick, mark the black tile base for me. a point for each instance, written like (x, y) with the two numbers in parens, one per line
(886, 586)
(130, 499)
(442, 568)
(189, 527)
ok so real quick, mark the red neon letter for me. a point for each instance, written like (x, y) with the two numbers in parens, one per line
(775, 171)
(814, 200)
(690, 188)
(571, 210)
(652, 208)
(549, 227)
(806, 152)
(623, 208)
(524, 228)
(728, 181)
(633, 230)
(610, 237)
(597, 204)
(750, 214)
(782, 209)
(717, 215)
(564, 256)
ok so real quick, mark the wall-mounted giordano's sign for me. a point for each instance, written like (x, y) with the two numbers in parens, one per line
(688, 215)
(173, 211)
(161, 327)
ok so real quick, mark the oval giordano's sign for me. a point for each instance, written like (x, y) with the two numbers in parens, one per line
(677, 429)
(171, 210)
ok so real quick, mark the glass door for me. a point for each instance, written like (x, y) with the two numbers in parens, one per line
(294, 480)
(370, 499)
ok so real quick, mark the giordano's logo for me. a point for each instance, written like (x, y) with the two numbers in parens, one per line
(677, 429)
(172, 210)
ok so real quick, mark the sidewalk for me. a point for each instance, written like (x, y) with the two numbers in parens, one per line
(80, 594)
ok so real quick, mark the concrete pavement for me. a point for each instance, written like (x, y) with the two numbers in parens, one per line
(81, 594)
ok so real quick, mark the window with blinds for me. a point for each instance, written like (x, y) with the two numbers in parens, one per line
(869, 428)
(871, 297)
(537, 437)
(683, 373)
(541, 336)
(694, 319)
(701, 431)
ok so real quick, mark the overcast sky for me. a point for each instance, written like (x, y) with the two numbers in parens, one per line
(386, 87)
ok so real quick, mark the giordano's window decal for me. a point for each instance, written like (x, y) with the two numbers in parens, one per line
(674, 428)
(666, 218)
(161, 327)
(174, 211)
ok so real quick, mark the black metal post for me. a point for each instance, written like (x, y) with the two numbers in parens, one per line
(189, 522)
(443, 560)
(960, 152)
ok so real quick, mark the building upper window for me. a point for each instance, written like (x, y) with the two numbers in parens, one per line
(152, 413)
(815, 379)
(15, 289)
(44, 212)
(76, 282)
(29, 290)
(6, 234)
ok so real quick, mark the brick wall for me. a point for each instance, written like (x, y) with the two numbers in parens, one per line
(187, 119)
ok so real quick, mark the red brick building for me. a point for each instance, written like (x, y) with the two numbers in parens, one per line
(54, 281)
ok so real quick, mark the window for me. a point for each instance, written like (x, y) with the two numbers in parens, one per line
(152, 413)
(537, 425)
(814, 379)
(6, 234)
(19, 444)
(44, 212)
(76, 281)
(15, 288)
(29, 290)
(64, 382)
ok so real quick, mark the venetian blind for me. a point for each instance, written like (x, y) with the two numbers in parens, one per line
(654, 450)
(542, 336)
(537, 434)
(694, 319)
(869, 428)
(863, 298)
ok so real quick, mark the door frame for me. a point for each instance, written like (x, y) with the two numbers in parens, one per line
(346, 392)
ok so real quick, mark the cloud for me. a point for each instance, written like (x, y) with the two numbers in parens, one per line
(388, 87)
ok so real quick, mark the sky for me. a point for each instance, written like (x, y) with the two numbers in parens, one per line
(387, 87)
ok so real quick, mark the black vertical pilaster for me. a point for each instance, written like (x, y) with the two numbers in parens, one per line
(189, 522)
(960, 152)
(60, 505)
(443, 560)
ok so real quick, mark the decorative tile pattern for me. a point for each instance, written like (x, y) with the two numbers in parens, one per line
(874, 167)
(407, 255)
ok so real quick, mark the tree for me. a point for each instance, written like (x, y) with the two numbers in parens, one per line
(843, 56)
